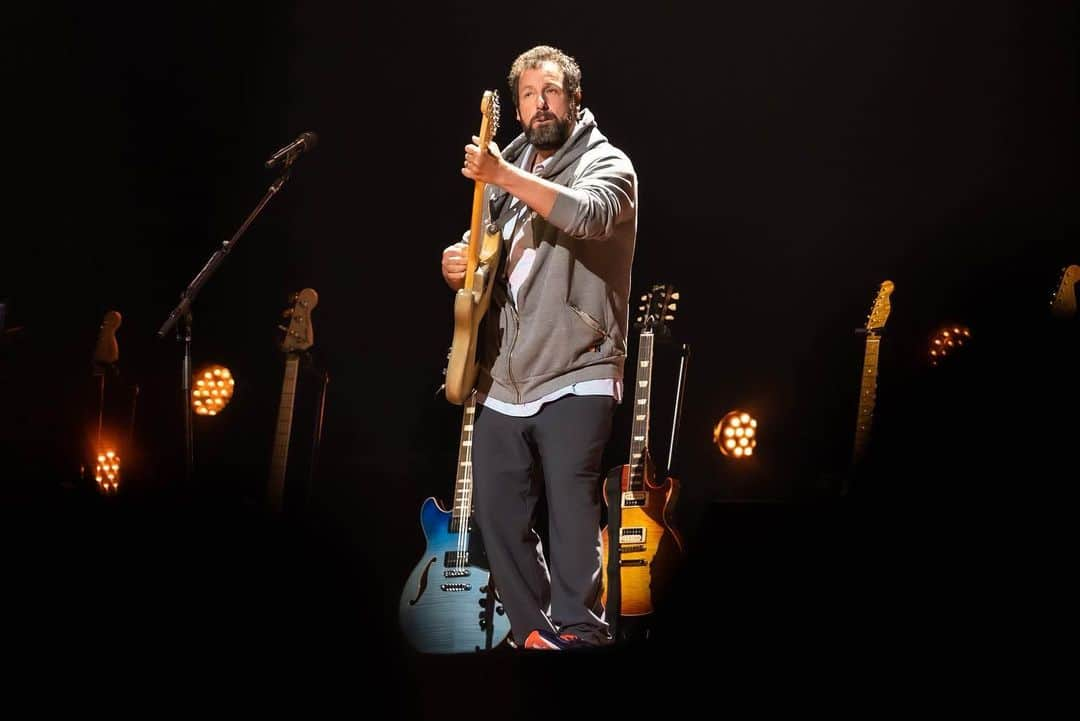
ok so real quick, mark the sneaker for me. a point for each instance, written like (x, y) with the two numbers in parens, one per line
(545, 640)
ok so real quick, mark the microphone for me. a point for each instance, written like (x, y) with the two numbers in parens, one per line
(306, 141)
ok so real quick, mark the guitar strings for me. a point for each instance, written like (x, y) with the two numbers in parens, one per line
(463, 506)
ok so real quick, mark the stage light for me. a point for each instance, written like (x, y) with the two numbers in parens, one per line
(213, 389)
(736, 434)
(947, 341)
(107, 470)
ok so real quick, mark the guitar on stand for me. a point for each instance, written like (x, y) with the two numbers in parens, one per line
(106, 456)
(642, 511)
(875, 322)
(449, 604)
(299, 337)
(471, 302)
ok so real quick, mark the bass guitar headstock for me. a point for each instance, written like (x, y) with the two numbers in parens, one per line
(106, 349)
(1063, 304)
(299, 334)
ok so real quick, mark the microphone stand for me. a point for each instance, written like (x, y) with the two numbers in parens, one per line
(182, 311)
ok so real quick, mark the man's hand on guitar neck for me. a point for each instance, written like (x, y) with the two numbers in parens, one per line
(536, 192)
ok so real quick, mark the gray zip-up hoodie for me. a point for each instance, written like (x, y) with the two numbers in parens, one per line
(570, 321)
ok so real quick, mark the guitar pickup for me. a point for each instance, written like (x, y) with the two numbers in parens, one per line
(633, 498)
(456, 587)
(632, 534)
(456, 559)
(456, 573)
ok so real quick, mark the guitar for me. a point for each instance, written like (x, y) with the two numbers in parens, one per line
(448, 604)
(471, 302)
(106, 459)
(645, 505)
(1064, 303)
(299, 336)
(879, 313)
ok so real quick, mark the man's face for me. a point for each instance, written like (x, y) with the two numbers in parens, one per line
(544, 109)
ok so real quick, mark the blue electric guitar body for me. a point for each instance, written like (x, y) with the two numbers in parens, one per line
(448, 604)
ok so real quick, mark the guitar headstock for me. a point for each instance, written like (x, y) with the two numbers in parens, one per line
(879, 312)
(106, 349)
(657, 308)
(300, 334)
(489, 125)
(1064, 303)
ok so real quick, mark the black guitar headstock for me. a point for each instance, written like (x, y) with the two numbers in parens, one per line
(657, 309)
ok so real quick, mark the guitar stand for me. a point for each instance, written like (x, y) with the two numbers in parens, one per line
(614, 568)
(307, 362)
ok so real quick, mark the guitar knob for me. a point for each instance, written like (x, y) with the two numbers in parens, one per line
(483, 623)
(499, 610)
(483, 603)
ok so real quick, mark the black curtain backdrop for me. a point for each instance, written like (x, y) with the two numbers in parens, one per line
(791, 157)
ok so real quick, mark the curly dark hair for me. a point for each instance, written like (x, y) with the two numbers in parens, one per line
(534, 57)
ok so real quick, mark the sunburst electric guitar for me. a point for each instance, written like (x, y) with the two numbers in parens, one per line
(448, 605)
(299, 337)
(471, 302)
(1064, 303)
(645, 504)
(875, 322)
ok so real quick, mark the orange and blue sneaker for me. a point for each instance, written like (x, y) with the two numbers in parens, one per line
(544, 640)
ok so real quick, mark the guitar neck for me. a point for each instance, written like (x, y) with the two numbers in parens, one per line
(639, 437)
(475, 235)
(463, 487)
(280, 455)
(867, 396)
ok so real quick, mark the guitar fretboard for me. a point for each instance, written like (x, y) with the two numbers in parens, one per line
(867, 397)
(639, 438)
(463, 487)
(279, 458)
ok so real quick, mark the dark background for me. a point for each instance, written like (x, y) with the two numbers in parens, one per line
(791, 158)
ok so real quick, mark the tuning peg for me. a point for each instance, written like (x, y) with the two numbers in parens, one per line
(675, 296)
(672, 306)
(641, 308)
(644, 296)
(638, 319)
(669, 317)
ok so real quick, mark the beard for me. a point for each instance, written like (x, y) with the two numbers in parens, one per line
(549, 136)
